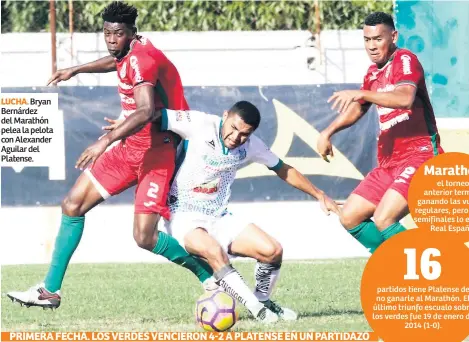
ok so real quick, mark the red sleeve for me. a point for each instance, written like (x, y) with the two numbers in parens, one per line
(365, 86)
(407, 70)
(143, 70)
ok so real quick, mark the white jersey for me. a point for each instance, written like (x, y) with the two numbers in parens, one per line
(202, 184)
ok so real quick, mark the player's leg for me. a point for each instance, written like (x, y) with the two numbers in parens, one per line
(392, 208)
(360, 207)
(199, 242)
(255, 243)
(81, 198)
(156, 171)
(147, 236)
(109, 176)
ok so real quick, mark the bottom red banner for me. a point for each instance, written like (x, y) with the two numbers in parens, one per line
(189, 336)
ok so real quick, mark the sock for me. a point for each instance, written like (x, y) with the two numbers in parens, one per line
(234, 285)
(170, 248)
(368, 235)
(392, 230)
(266, 278)
(67, 240)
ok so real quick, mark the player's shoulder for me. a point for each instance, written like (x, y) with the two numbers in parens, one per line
(256, 143)
(371, 69)
(142, 46)
(204, 117)
(405, 56)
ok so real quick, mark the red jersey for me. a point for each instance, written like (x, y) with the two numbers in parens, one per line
(403, 131)
(146, 65)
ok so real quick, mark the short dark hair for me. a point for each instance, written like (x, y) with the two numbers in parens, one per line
(377, 18)
(248, 112)
(120, 12)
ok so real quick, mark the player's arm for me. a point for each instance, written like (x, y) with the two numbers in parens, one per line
(145, 113)
(401, 97)
(346, 119)
(297, 180)
(260, 153)
(102, 65)
(185, 123)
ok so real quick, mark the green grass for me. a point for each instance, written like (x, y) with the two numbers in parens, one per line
(161, 297)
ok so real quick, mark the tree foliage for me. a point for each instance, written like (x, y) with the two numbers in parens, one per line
(33, 16)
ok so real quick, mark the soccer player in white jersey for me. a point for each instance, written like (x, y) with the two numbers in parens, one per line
(215, 148)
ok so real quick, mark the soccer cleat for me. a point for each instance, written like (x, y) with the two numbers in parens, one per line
(266, 316)
(284, 313)
(36, 296)
(210, 284)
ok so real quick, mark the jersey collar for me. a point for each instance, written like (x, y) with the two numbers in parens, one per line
(389, 60)
(223, 147)
(132, 44)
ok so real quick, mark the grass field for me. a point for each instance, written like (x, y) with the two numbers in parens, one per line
(161, 297)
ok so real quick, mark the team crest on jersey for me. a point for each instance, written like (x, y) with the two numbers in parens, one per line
(374, 75)
(406, 64)
(123, 70)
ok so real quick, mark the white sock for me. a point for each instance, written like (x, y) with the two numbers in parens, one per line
(233, 284)
(266, 278)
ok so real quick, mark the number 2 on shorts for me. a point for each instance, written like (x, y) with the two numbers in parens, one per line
(153, 190)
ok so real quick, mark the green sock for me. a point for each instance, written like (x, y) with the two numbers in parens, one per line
(170, 248)
(392, 230)
(368, 235)
(67, 240)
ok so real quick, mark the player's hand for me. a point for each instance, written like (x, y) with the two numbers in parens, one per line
(61, 75)
(325, 146)
(342, 99)
(91, 154)
(113, 124)
(327, 205)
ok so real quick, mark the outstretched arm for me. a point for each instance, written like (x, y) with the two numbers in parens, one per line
(296, 179)
(402, 97)
(102, 65)
(346, 119)
(145, 113)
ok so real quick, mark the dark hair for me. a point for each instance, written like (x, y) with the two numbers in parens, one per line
(120, 12)
(377, 18)
(248, 112)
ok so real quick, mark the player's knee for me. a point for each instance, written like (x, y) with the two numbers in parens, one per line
(275, 254)
(71, 206)
(348, 220)
(145, 238)
(214, 253)
(382, 221)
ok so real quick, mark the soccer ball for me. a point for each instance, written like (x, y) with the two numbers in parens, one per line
(216, 311)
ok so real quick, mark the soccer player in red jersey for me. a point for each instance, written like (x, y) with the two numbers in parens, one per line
(148, 81)
(408, 135)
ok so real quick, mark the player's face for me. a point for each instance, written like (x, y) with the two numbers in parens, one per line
(235, 131)
(118, 37)
(380, 42)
